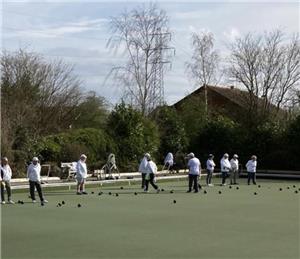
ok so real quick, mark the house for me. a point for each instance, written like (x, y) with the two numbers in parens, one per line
(227, 101)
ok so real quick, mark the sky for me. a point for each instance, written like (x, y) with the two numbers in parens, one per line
(78, 31)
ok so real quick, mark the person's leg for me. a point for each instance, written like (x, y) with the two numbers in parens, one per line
(210, 177)
(231, 176)
(31, 189)
(78, 187)
(39, 190)
(207, 177)
(196, 187)
(254, 178)
(8, 190)
(82, 187)
(223, 177)
(146, 185)
(143, 180)
(2, 192)
(152, 182)
(249, 177)
(190, 183)
(235, 176)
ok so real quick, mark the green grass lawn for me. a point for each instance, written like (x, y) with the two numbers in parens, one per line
(233, 224)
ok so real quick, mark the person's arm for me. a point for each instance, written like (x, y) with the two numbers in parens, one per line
(247, 165)
(189, 164)
(28, 171)
(78, 168)
(39, 172)
(10, 172)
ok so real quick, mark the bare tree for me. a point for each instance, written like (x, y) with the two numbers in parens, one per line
(144, 34)
(37, 97)
(204, 65)
(268, 66)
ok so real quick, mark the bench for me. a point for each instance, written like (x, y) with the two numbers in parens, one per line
(70, 167)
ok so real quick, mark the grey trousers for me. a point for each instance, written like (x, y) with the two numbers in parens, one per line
(233, 176)
(5, 185)
(209, 176)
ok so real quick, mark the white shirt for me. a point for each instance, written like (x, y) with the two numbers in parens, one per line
(169, 159)
(225, 165)
(81, 169)
(151, 168)
(34, 172)
(251, 166)
(6, 170)
(234, 164)
(210, 164)
(143, 166)
(194, 166)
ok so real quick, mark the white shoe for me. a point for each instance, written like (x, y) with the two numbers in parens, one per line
(224, 184)
(45, 201)
(210, 185)
(33, 201)
(2, 202)
(11, 202)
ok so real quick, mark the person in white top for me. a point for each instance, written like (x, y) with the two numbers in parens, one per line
(194, 167)
(151, 170)
(210, 167)
(225, 168)
(5, 177)
(234, 162)
(34, 176)
(143, 168)
(251, 169)
(81, 174)
(169, 162)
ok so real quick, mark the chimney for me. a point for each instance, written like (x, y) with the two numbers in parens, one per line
(232, 87)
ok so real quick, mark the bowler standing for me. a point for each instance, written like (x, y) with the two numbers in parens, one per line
(34, 176)
(194, 172)
(251, 169)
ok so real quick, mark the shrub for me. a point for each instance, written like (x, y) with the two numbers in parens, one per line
(133, 134)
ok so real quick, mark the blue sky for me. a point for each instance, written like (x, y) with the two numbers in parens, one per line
(77, 31)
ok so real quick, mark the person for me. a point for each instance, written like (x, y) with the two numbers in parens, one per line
(194, 167)
(34, 176)
(6, 174)
(179, 161)
(169, 162)
(225, 168)
(142, 168)
(151, 170)
(251, 169)
(81, 174)
(234, 162)
(210, 167)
